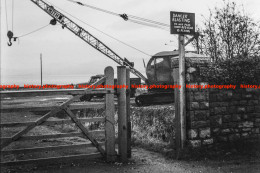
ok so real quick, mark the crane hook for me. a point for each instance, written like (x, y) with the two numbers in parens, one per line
(10, 35)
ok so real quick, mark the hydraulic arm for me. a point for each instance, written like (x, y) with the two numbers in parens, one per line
(85, 35)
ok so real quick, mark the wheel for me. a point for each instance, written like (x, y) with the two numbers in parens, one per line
(86, 98)
(139, 101)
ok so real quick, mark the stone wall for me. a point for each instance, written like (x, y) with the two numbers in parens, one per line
(234, 114)
(197, 105)
(219, 115)
(198, 117)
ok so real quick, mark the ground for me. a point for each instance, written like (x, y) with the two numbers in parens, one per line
(145, 161)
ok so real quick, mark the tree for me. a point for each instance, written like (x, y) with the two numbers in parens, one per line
(229, 33)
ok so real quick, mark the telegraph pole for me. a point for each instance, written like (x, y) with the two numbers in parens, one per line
(41, 67)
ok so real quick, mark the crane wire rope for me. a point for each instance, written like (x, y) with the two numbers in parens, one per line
(13, 15)
(148, 20)
(12, 23)
(6, 16)
(135, 19)
(146, 24)
(100, 30)
(33, 31)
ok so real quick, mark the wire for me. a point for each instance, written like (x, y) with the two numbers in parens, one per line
(33, 31)
(95, 8)
(13, 15)
(126, 17)
(6, 16)
(101, 31)
(151, 21)
(146, 24)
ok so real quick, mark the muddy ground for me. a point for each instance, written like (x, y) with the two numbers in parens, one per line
(154, 162)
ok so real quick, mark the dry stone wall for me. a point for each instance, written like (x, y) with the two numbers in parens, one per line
(234, 114)
(219, 115)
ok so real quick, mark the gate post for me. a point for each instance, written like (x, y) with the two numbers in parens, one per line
(110, 117)
(129, 129)
(122, 113)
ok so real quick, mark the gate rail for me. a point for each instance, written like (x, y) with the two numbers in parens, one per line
(108, 151)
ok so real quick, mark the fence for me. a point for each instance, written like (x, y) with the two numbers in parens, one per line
(105, 149)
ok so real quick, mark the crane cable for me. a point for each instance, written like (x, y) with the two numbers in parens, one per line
(31, 32)
(151, 21)
(126, 17)
(101, 31)
(13, 15)
(10, 34)
(6, 16)
(146, 24)
(130, 18)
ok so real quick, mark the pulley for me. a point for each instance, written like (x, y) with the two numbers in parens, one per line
(53, 22)
(124, 16)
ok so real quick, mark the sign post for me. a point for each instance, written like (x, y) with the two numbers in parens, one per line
(181, 23)
(182, 101)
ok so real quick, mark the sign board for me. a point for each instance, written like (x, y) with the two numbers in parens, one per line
(182, 23)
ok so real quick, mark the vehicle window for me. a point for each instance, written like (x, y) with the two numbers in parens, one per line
(161, 62)
(152, 63)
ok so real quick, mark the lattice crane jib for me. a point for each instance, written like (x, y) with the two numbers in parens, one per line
(85, 36)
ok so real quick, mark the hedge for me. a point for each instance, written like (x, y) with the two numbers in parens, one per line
(233, 71)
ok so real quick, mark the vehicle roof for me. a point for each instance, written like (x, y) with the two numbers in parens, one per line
(98, 76)
(167, 53)
(176, 53)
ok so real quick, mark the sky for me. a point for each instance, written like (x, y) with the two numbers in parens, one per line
(67, 59)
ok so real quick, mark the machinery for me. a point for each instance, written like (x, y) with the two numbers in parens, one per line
(158, 70)
(93, 79)
(82, 34)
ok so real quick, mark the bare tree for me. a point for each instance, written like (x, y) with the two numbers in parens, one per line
(229, 33)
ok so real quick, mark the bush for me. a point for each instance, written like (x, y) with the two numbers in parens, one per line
(235, 71)
(153, 122)
(153, 127)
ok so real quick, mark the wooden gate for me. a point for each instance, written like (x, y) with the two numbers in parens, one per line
(105, 149)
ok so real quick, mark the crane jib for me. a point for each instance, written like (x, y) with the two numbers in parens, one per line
(84, 35)
(55, 13)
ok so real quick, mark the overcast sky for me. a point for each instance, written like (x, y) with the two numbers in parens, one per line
(68, 59)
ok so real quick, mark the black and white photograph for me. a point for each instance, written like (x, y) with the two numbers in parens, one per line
(132, 86)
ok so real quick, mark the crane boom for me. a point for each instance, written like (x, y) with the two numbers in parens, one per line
(85, 36)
